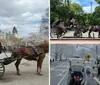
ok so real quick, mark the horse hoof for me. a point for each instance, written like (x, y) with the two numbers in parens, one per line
(18, 74)
(39, 74)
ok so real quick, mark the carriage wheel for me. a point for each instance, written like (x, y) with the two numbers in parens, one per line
(75, 34)
(2, 69)
(53, 33)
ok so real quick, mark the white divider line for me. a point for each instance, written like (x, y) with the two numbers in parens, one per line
(97, 80)
(62, 78)
(61, 73)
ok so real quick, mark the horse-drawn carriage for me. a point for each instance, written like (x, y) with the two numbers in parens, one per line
(4, 62)
(76, 74)
(59, 30)
(27, 53)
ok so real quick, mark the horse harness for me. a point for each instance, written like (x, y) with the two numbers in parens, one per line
(23, 51)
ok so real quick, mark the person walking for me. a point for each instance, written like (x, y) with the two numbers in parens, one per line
(1, 48)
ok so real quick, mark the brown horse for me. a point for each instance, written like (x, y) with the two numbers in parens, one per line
(29, 53)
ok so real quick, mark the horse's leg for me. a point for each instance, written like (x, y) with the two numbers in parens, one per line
(99, 34)
(38, 66)
(89, 34)
(39, 63)
(17, 66)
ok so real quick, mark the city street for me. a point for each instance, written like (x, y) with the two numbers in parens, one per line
(28, 73)
(59, 74)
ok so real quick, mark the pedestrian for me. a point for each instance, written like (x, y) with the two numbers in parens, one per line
(98, 71)
(0, 48)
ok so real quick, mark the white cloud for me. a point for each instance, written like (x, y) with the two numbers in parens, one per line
(23, 29)
(76, 1)
(87, 9)
(86, 5)
(20, 13)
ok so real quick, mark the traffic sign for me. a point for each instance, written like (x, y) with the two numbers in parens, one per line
(88, 57)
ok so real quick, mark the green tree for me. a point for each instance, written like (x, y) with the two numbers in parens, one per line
(76, 8)
(98, 1)
(53, 9)
(78, 12)
(96, 15)
(63, 12)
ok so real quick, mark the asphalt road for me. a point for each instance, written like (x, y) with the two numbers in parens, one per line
(28, 73)
(59, 74)
(70, 34)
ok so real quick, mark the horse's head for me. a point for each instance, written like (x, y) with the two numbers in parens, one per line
(45, 46)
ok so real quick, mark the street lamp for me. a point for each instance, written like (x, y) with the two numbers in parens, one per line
(97, 56)
(91, 7)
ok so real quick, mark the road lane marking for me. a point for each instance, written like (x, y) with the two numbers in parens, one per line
(54, 76)
(67, 66)
(59, 70)
(97, 80)
(54, 67)
(64, 66)
(60, 74)
(62, 78)
(59, 66)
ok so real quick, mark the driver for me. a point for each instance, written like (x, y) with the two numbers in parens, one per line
(74, 23)
(76, 73)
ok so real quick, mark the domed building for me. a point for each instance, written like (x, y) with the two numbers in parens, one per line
(13, 38)
(15, 33)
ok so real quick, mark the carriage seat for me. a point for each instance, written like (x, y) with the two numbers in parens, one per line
(23, 51)
(28, 51)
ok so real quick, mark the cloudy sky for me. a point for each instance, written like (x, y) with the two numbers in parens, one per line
(86, 4)
(24, 14)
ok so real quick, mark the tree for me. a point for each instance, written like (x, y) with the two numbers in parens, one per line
(44, 28)
(96, 15)
(64, 11)
(76, 8)
(98, 1)
(53, 9)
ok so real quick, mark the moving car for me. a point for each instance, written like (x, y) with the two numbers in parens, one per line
(76, 74)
